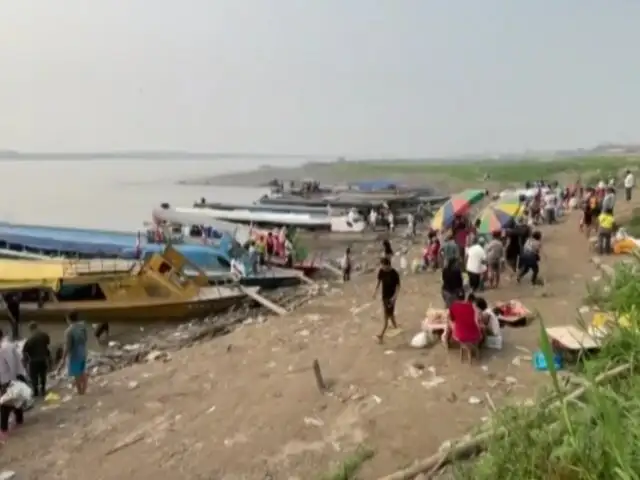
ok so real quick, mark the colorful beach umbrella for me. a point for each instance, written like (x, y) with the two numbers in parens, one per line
(458, 204)
(496, 217)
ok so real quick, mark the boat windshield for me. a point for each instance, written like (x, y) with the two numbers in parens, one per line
(236, 251)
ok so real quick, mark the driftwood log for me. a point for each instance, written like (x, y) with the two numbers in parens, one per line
(467, 448)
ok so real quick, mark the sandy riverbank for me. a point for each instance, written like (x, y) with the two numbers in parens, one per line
(246, 405)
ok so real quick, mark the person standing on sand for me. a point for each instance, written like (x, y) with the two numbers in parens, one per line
(11, 370)
(476, 265)
(530, 260)
(346, 265)
(629, 183)
(495, 252)
(36, 355)
(606, 227)
(387, 251)
(389, 279)
(75, 351)
(449, 249)
(12, 302)
(590, 212)
(609, 200)
(452, 282)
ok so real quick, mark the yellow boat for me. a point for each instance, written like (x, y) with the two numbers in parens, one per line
(155, 290)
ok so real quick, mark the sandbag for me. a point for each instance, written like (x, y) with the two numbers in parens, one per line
(420, 340)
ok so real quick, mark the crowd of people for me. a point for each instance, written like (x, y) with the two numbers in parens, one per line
(263, 247)
(26, 363)
(461, 251)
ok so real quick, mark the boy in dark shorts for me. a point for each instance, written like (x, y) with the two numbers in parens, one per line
(389, 279)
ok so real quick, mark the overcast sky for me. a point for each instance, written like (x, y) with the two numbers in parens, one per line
(400, 77)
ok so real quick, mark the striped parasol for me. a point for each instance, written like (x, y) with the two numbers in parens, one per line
(458, 204)
(496, 217)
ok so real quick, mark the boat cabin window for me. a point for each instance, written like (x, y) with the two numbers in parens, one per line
(164, 268)
(74, 293)
(236, 250)
(178, 278)
(195, 231)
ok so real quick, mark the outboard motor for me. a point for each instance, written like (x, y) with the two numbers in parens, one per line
(165, 206)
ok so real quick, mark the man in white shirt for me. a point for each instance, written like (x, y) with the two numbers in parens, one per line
(550, 207)
(476, 265)
(351, 216)
(629, 183)
(373, 219)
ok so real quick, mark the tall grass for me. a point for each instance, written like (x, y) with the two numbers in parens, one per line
(602, 167)
(597, 437)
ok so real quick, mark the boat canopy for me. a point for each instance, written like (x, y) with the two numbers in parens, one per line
(45, 284)
(25, 274)
(59, 245)
(240, 233)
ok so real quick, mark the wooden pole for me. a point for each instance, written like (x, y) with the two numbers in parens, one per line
(320, 383)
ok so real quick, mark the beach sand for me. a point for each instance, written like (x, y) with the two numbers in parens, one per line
(246, 405)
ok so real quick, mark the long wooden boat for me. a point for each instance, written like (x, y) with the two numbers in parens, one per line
(219, 255)
(279, 219)
(257, 207)
(360, 201)
(156, 290)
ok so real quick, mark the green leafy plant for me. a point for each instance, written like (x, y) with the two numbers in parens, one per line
(592, 438)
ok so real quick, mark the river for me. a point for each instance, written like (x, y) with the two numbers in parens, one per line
(112, 194)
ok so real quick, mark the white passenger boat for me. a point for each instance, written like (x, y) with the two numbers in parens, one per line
(343, 223)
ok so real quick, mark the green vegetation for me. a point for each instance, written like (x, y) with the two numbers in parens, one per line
(348, 468)
(499, 170)
(592, 437)
(632, 226)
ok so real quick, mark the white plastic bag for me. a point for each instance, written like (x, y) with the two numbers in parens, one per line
(420, 340)
(18, 395)
(403, 263)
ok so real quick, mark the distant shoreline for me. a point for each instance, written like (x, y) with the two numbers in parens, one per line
(8, 155)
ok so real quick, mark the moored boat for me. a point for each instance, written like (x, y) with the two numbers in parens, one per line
(218, 255)
(257, 207)
(157, 290)
(328, 223)
(303, 260)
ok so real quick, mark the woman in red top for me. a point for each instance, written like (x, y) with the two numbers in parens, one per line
(433, 253)
(465, 321)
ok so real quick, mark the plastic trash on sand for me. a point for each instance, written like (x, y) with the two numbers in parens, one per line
(540, 362)
(420, 340)
(52, 397)
(18, 394)
(404, 264)
(493, 342)
(416, 265)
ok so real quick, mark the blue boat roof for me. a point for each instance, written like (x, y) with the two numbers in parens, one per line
(104, 243)
(52, 244)
(62, 234)
(372, 185)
